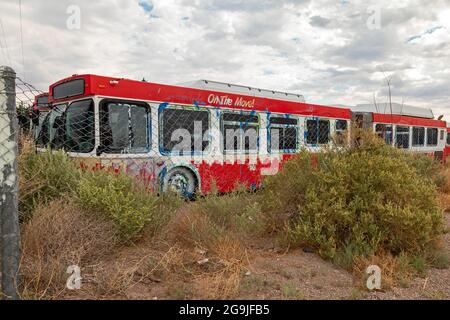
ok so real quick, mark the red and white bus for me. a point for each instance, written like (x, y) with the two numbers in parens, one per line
(410, 128)
(178, 136)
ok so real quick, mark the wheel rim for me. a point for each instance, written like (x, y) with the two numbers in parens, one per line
(179, 183)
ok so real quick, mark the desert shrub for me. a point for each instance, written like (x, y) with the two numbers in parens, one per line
(50, 175)
(58, 235)
(355, 202)
(44, 177)
(117, 197)
(444, 198)
(426, 167)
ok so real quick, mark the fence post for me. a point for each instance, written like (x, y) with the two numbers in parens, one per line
(9, 221)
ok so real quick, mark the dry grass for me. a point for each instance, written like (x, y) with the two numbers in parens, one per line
(57, 236)
(394, 270)
(27, 186)
(116, 278)
(224, 282)
(212, 257)
(192, 230)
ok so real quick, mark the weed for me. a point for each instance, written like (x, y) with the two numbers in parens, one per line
(290, 292)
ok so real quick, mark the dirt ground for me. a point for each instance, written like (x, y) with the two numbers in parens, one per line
(278, 275)
(300, 275)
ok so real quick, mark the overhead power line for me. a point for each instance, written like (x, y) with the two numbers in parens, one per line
(4, 44)
(21, 39)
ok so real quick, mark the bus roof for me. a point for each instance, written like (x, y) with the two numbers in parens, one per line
(239, 89)
(95, 85)
(397, 109)
(401, 114)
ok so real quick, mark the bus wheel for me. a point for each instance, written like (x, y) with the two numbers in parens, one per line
(181, 181)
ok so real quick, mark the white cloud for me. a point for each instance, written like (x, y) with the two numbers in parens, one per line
(322, 49)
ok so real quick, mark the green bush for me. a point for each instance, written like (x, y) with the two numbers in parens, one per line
(120, 198)
(127, 202)
(50, 175)
(356, 202)
(44, 177)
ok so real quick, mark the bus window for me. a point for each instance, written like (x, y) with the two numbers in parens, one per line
(38, 128)
(341, 127)
(51, 133)
(183, 131)
(384, 132)
(124, 127)
(448, 138)
(43, 137)
(42, 101)
(418, 136)
(79, 127)
(69, 89)
(240, 132)
(402, 137)
(317, 131)
(283, 134)
(432, 136)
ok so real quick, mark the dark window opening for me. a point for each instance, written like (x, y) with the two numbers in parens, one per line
(240, 132)
(341, 127)
(124, 127)
(42, 139)
(402, 137)
(418, 136)
(184, 131)
(432, 136)
(283, 134)
(283, 121)
(42, 101)
(38, 129)
(317, 131)
(384, 132)
(68, 89)
(52, 131)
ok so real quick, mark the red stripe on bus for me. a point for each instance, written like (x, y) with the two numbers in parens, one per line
(406, 120)
(132, 89)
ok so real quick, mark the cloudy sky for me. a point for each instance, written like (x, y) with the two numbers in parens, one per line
(331, 51)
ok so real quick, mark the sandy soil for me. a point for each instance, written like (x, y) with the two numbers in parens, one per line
(277, 275)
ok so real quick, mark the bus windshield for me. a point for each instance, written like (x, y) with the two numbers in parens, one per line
(49, 134)
(79, 127)
(42, 116)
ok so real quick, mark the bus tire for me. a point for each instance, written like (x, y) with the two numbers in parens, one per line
(181, 181)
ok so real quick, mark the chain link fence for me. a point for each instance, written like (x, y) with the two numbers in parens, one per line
(9, 224)
(189, 149)
(16, 101)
